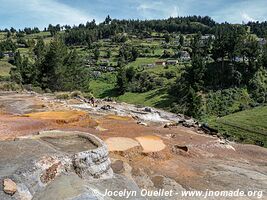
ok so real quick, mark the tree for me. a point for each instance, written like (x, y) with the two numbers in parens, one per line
(96, 53)
(108, 53)
(194, 74)
(12, 30)
(73, 75)
(187, 88)
(107, 20)
(181, 40)
(194, 103)
(28, 72)
(121, 81)
(264, 56)
(53, 29)
(258, 86)
(39, 49)
(135, 53)
(53, 64)
(15, 74)
(252, 52)
(167, 38)
(8, 34)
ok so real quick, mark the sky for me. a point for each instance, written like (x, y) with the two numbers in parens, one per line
(40, 13)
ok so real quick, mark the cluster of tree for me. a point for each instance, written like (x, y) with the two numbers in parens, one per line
(187, 89)
(26, 30)
(128, 53)
(259, 28)
(7, 45)
(54, 67)
(239, 62)
(88, 33)
(128, 80)
(53, 29)
(29, 31)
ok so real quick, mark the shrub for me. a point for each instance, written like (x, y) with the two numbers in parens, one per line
(75, 94)
(10, 86)
(47, 90)
(88, 95)
(227, 101)
(37, 90)
(170, 74)
(63, 95)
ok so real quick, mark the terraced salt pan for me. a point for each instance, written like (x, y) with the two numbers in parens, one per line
(71, 144)
(148, 143)
(121, 143)
(61, 116)
(151, 143)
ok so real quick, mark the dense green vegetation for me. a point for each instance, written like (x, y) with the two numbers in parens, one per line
(189, 65)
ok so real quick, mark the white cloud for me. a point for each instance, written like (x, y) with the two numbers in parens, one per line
(45, 12)
(239, 11)
(174, 12)
(158, 9)
(247, 18)
(148, 6)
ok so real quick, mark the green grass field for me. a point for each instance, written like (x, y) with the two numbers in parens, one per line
(154, 98)
(248, 126)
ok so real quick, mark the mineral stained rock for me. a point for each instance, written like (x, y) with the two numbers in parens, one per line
(33, 173)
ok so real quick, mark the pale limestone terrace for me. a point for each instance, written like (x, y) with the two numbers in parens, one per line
(35, 161)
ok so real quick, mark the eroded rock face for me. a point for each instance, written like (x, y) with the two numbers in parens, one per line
(93, 163)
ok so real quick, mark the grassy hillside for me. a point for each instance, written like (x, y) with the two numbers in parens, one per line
(249, 126)
(155, 98)
(4, 68)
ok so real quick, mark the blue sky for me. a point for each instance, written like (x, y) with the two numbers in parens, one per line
(40, 13)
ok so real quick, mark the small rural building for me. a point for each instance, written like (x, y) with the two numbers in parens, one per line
(111, 69)
(104, 61)
(149, 39)
(9, 54)
(184, 56)
(96, 74)
(207, 36)
(102, 68)
(172, 62)
(150, 65)
(163, 63)
(240, 59)
(262, 41)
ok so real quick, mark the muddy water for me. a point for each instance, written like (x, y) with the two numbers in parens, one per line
(120, 143)
(70, 144)
(151, 143)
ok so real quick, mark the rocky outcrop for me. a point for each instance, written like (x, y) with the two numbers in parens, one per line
(93, 163)
(33, 174)
(118, 166)
(10, 186)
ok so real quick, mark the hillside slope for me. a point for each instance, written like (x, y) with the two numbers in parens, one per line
(249, 126)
